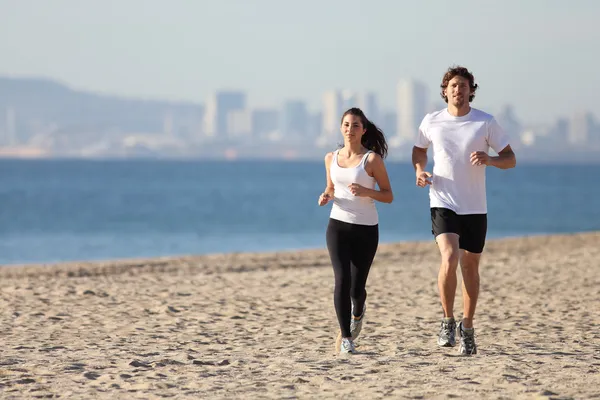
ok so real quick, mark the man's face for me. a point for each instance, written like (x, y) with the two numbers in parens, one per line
(458, 91)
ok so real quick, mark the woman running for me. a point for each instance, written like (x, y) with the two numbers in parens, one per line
(353, 172)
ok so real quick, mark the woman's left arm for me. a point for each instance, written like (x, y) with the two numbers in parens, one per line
(376, 168)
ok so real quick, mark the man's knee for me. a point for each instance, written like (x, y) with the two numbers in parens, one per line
(450, 259)
(448, 243)
(469, 263)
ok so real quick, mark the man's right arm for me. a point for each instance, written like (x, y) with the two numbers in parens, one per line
(419, 154)
(419, 160)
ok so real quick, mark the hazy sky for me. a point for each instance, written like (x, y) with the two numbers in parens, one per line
(541, 56)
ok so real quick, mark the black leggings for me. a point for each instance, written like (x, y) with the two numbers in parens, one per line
(352, 249)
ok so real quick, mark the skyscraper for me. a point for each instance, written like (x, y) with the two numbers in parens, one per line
(367, 102)
(216, 117)
(265, 124)
(294, 120)
(411, 108)
(332, 111)
(239, 124)
(581, 129)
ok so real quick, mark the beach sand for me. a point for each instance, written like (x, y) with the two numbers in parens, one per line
(263, 326)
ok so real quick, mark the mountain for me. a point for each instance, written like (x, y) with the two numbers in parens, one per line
(35, 104)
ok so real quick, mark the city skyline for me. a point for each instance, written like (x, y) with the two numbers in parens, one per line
(432, 99)
(537, 59)
(46, 119)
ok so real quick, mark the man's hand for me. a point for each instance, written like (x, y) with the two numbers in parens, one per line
(423, 179)
(480, 158)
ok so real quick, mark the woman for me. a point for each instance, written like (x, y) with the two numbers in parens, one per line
(353, 233)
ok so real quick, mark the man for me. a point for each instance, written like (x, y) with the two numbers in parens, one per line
(460, 137)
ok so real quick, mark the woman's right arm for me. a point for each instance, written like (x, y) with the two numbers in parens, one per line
(329, 187)
(327, 194)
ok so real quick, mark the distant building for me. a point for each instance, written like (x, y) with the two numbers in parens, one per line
(581, 129)
(218, 108)
(335, 103)
(411, 108)
(366, 101)
(508, 120)
(315, 122)
(333, 106)
(294, 120)
(265, 124)
(239, 124)
(388, 123)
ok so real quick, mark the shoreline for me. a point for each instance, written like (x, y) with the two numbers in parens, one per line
(233, 261)
(188, 256)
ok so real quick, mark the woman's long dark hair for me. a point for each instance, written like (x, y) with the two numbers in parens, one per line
(373, 138)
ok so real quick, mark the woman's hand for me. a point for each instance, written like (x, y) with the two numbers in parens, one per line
(358, 190)
(324, 198)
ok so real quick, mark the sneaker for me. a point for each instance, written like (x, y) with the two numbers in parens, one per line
(357, 322)
(347, 346)
(447, 336)
(467, 345)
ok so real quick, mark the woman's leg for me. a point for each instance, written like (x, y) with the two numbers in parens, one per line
(365, 241)
(338, 244)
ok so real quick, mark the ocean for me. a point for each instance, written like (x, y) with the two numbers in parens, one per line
(71, 210)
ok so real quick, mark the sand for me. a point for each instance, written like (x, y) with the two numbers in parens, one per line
(263, 326)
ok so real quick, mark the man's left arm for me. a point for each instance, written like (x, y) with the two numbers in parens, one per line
(498, 139)
(504, 160)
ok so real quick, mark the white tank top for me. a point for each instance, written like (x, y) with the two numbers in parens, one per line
(346, 206)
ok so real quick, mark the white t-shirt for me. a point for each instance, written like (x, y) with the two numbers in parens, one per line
(456, 183)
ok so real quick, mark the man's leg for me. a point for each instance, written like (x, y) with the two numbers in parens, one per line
(469, 265)
(445, 227)
(447, 282)
(472, 243)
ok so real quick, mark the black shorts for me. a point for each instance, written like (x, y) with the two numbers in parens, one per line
(471, 228)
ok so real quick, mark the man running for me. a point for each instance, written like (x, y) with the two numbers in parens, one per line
(460, 137)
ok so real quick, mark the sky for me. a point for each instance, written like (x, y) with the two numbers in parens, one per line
(541, 56)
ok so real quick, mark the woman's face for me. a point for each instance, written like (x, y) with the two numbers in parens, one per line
(352, 128)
